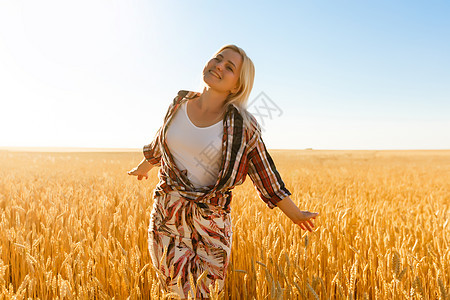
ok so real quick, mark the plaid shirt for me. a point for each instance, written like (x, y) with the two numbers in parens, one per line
(243, 152)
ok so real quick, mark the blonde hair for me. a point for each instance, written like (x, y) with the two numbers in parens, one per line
(245, 85)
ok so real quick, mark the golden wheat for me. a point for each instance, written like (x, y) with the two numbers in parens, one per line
(74, 225)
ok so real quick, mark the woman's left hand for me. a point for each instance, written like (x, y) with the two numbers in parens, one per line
(304, 220)
(299, 217)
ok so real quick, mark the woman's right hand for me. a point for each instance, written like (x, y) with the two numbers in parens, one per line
(140, 174)
(141, 171)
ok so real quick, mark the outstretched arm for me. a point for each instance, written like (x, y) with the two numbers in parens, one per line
(299, 217)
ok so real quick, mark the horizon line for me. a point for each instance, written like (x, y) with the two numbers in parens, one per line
(117, 149)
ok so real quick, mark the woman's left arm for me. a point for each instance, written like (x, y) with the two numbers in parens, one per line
(299, 217)
(269, 184)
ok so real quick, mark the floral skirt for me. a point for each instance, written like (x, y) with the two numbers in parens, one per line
(187, 238)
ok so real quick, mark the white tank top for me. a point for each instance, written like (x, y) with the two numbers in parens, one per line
(195, 149)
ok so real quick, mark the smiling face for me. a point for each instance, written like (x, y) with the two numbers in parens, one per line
(222, 72)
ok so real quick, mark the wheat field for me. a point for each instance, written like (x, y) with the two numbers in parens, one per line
(74, 226)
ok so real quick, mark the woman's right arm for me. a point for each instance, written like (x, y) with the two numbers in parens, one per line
(141, 171)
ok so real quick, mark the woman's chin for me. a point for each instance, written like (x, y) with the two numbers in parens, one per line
(213, 85)
(210, 81)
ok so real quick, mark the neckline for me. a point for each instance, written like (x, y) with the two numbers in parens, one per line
(187, 116)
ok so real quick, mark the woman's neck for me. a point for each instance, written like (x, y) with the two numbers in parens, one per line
(211, 101)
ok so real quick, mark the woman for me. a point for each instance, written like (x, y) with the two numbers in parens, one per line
(206, 146)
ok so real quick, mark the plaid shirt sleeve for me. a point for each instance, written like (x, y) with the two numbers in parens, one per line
(152, 151)
(264, 175)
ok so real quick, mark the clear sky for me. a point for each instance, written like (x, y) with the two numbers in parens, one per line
(341, 74)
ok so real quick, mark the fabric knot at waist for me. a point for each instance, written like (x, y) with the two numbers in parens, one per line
(220, 199)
